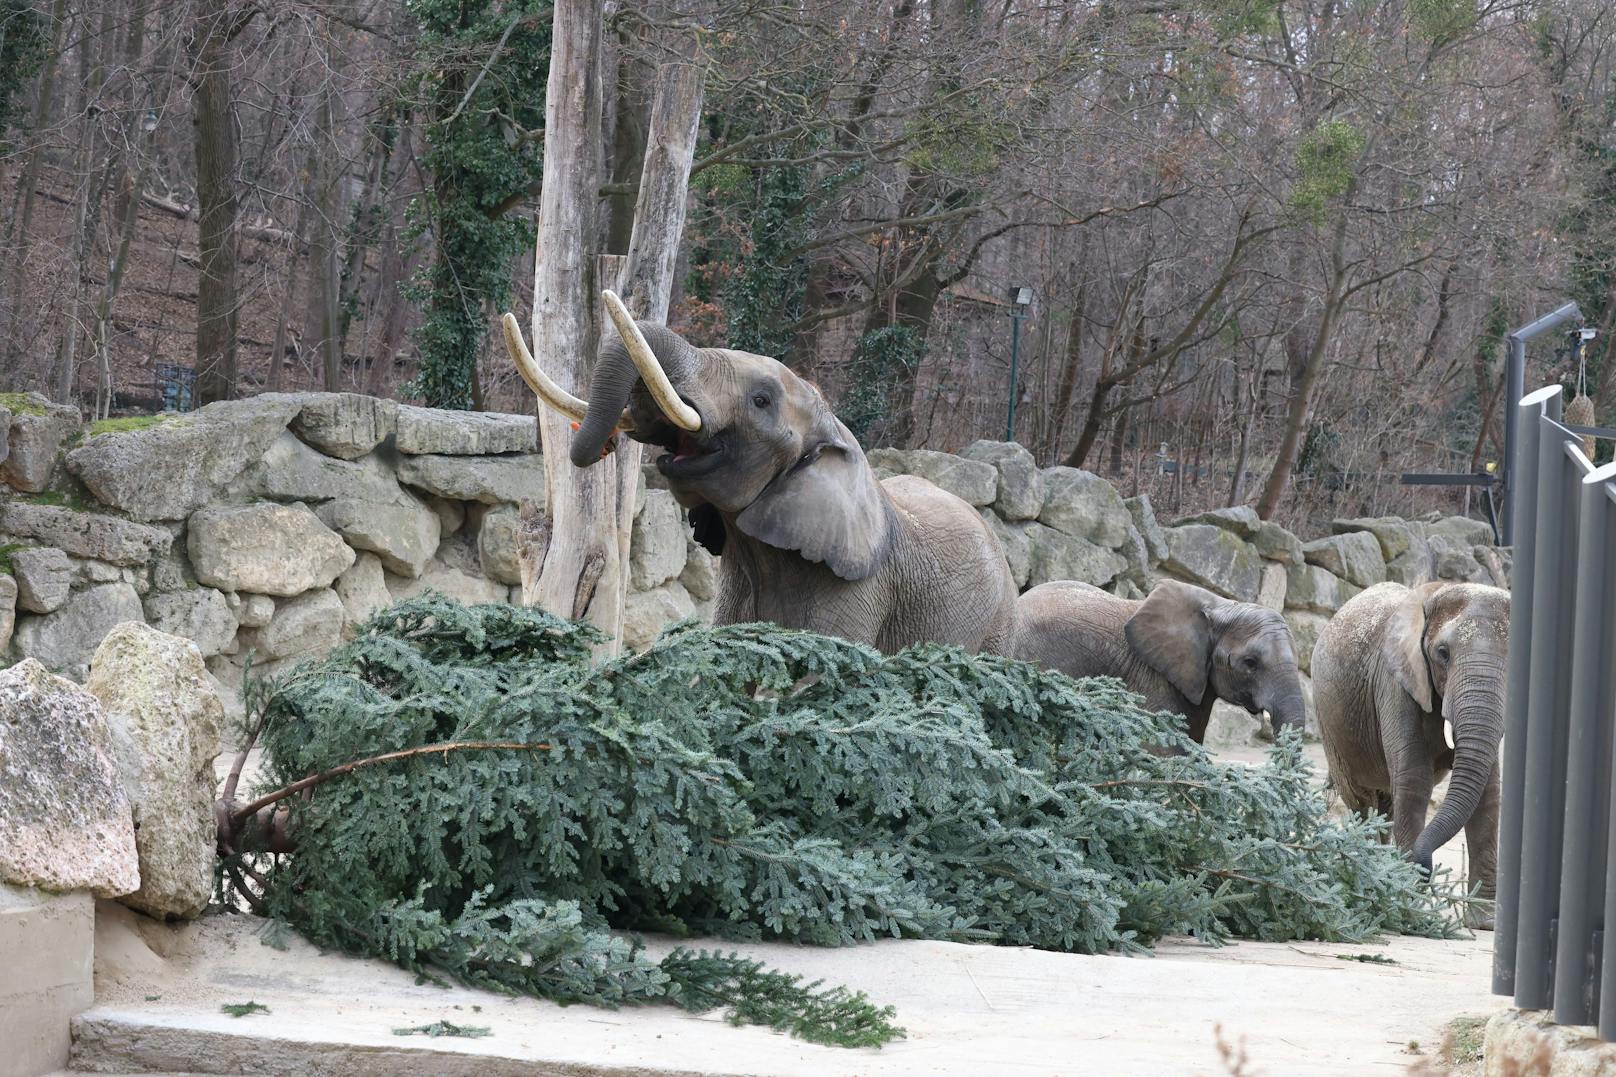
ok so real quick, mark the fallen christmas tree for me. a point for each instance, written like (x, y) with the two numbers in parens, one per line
(512, 805)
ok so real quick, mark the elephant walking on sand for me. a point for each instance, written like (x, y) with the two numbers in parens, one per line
(778, 485)
(1409, 684)
(1181, 648)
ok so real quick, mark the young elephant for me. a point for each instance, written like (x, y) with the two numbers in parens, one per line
(1409, 684)
(1181, 648)
(778, 485)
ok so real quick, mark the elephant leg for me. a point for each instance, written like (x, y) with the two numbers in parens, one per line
(1411, 801)
(1481, 839)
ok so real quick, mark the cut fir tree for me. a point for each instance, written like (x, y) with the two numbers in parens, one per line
(476, 801)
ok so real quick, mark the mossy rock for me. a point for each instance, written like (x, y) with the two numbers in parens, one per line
(21, 404)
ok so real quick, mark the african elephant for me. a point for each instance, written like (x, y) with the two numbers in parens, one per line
(1181, 648)
(1409, 684)
(778, 485)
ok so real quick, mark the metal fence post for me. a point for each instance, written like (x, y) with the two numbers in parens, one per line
(1588, 752)
(1522, 508)
(1602, 483)
(1542, 803)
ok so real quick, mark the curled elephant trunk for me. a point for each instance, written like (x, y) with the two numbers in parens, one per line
(643, 351)
(1475, 706)
(1288, 710)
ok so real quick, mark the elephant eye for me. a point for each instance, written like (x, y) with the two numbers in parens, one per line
(760, 400)
(1249, 663)
(1442, 652)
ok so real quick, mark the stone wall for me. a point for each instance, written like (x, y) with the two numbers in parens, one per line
(272, 525)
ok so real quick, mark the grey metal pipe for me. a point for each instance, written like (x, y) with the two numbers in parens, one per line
(1588, 753)
(1515, 388)
(1512, 761)
(1600, 501)
(1543, 782)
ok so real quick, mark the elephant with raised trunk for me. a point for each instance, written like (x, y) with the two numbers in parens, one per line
(777, 485)
(1409, 685)
(1181, 648)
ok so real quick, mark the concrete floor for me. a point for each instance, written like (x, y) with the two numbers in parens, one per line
(1294, 1008)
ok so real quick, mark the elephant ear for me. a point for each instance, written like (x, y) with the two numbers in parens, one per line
(1402, 645)
(1172, 633)
(707, 527)
(827, 506)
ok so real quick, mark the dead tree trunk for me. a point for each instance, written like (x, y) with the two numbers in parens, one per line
(215, 149)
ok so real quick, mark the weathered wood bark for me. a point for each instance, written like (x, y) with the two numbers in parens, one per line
(214, 143)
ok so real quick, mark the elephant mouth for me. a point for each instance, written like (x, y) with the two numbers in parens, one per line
(687, 454)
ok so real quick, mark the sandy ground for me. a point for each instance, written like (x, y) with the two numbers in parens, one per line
(1292, 1008)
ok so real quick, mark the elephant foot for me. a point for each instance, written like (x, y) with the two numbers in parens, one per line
(1479, 915)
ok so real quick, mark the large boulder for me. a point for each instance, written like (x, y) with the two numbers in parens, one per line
(973, 481)
(460, 581)
(1393, 533)
(1451, 559)
(268, 549)
(44, 578)
(1215, 558)
(1082, 504)
(1463, 530)
(700, 574)
(1271, 592)
(199, 614)
(403, 533)
(492, 480)
(1144, 520)
(1016, 540)
(1241, 519)
(1278, 544)
(166, 721)
(1355, 557)
(66, 639)
(1056, 555)
(309, 624)
(252, 611)
(1412, 567)
(291, 471)
(65, 822)
(464, 433)
(1309, 587)
(168, 471)
(345, 425)
(363, 588)
(647, 613)
(496, 546)
(8, 612)
(657, 546)
(85, 534)
(37, 430)
(1019, 494)
(1305, 626)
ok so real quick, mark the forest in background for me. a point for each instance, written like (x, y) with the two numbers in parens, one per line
(1272, 245)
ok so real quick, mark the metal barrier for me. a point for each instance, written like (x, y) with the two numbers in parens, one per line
(1556, 835)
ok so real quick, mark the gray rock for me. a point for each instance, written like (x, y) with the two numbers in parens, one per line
(89, 570)
(363, 589)
(1135, 553)
(168, 471)
(700, 574)
(291, 471)
(464, 433)
(1016, 540)
(307, 625)
(5, 433)
(1277, 544)
(1412, 567)
(1309, 587)
(657, 547)
(1355, 557)
(1020, 491)
(1056, 555)
(972, 481)
(496, 546)
(491, 480)
(37, 430)
(1393, 533)
(1229, 726)
(66, 639)
(403, 533)
(1451, 559)
(85, 534)
(166, 720)
(647, 613)
(451, 514)
(65, 821)
(1082, 504)
(1497, 563)
(1271, 592)
(1241, 519)
(44, 578)
(451, 581)
(172, 572)
(199, 614)
(251, 611)
(1305, 626)
(1214, 558)
(1465, 531)
(8, 612)
(1144, 519)
(346, 425)
(268, 549)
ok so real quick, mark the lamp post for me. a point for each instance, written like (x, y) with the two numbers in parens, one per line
(1020, 300)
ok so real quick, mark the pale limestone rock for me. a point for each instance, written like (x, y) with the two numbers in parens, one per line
(268, 549)
(345, 425)
(37, 430)
(492, 480)
(66, 639)
(1019, 494)
(700, 574)
(1214, 558)
(1271, 592)
(657, 546)
(363, 589)
(199, 614)
(974, 482)
(249, 610)
(647, 613)
(1082, 504)
(85, 534)
(496, 546)
(1354, 556)
(44, 578)
(304, 626)
(402, 533)
(423, 431)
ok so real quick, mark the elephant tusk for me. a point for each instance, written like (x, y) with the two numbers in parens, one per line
(537, 380)
(656, 380)
(1447, 732)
